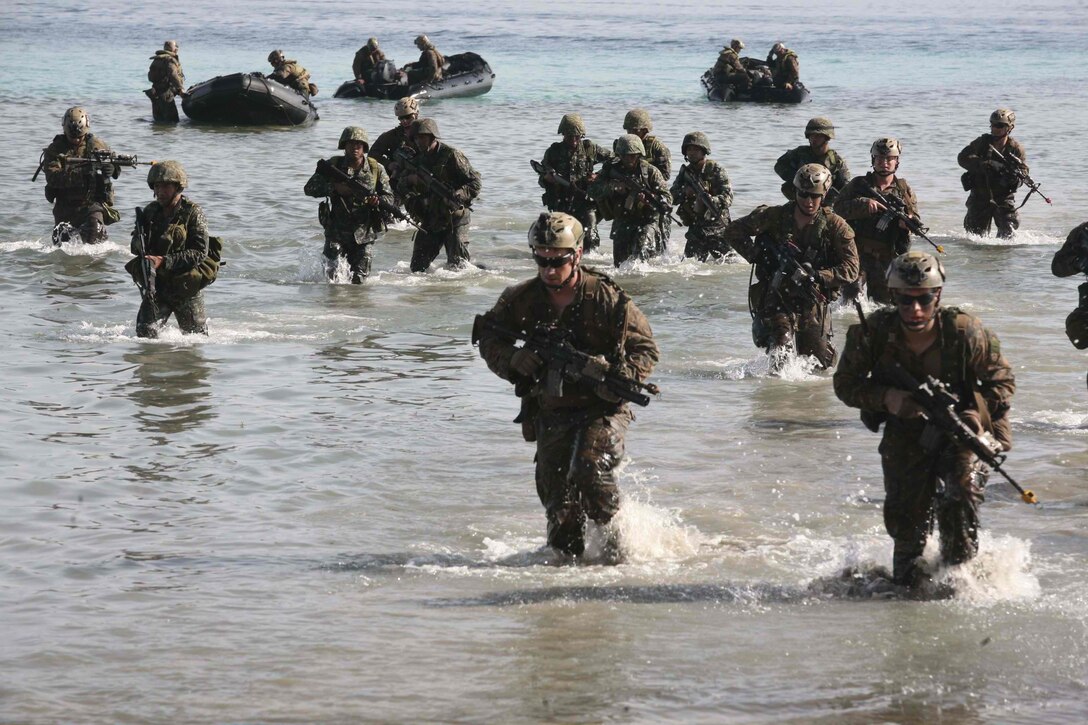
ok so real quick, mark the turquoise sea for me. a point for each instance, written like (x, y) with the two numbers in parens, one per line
(322, 513)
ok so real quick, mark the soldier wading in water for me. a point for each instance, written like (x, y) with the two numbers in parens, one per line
(578, 424)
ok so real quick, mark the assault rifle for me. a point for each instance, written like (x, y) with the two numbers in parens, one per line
(786, 267)
(561, 180)
(146, 278)
(329, 171)
(432, 184)
(895, 209)
(99, 160)
(703, 197)
(653, 196)
(939, 408)
(563, 361)
(1017, 168)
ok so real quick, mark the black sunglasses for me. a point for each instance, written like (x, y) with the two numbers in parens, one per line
(923, 300)
(553, 261)
(810, 195)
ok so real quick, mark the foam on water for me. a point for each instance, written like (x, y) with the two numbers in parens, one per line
(90, 332)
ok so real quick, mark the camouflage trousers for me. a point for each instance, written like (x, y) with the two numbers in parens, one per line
(188, 310)
(453, 239)
(357, 255)
(706, 243)
(922, 489)
(88, 220)
(636, 240)
(982, 211)
(576, 450)
(801, 325)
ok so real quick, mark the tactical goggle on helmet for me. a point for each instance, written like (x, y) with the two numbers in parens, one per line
(916, 270)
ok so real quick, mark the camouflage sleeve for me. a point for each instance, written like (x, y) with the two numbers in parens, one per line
(791, 72)
(196, 244)
(678, 185)
(786, 166)
(640, 353)
(601, 154)
(466, 179)
(177, 80)
(996, 382)
(658, 183)
(56, 175)
(741, 232)
(317, 186)
(970, 157)
(548, 159)
(382, 148)
(382, 187)
(495, 349)
(839, 178)
(602, 187)
(853, 381)
(357, 63)
(910, 201)
(842, 240)
(721, 189)
(851, 204)
(1072, 258)
(663, 159)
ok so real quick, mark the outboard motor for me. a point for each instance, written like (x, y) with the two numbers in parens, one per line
(385, 72)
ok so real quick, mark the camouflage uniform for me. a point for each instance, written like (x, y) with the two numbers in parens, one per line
(80, 197)
(636, 227)
(387, 144)
(993, 191)
(704, 235)
(579, 436)
(292, 75)
(445, 227)
(659, 156)
(786, 69)
(182, 240)
(577, 166)
(428, 68)
(167, 80)
(876, 249)
(789, 162)
(786, 317)
(919, 480)
(366, 60)
(1072, 259)
(351, 225)
(729, 71)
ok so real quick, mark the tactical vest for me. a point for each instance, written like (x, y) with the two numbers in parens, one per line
(203, 274)
(324, 209)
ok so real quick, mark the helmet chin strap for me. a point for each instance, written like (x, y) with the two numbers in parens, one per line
(561, 285)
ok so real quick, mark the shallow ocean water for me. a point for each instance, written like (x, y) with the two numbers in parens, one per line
(322, 512)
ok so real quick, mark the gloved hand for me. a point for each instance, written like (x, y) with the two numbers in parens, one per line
(596, 367)
(994, 165)
(602, 391)
(525, 362)
(899, 403)
(972, 419)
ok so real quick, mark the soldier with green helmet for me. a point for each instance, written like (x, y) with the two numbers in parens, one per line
(445, 219)
(81, 195)
(926, 475)
(992, 184)
(638, 122)
(706, 215)
(290, 74)
(350, 214)
(386, 145)
(632, 193)
(366, 61)
(167, 81)
(819, 131)
(572, 160)
(878, 241)
(803, 254)
(183, 257)
(579, 430)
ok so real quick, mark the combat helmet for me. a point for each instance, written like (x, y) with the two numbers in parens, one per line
(637, 118)
(813, 178)
(1003, 116)
(427, 126)
(887, 146)
(422, 41)
(354, 133)
(167, 172)
(629, 143)
(372, 43)
(76, 123)
(696, 138)
(407, 106)
(171, 46)
(556, 229)
(276, 57)
(572, 124)
(820, 125)
(917, 270)
(736, 44)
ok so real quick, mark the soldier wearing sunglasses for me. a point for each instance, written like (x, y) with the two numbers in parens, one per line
(579, 432)
(926, 476)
